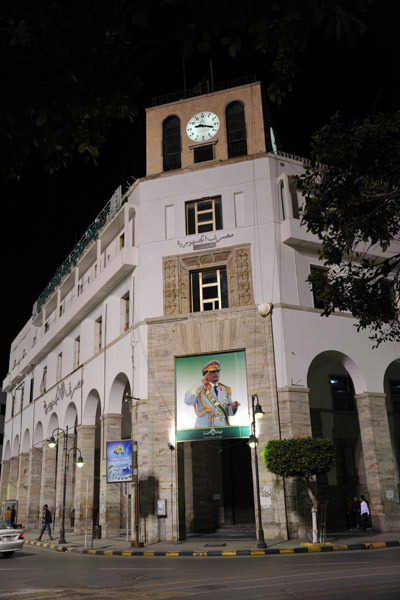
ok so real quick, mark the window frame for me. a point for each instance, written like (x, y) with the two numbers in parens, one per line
(216, 220)
(220, 300)
(346, 379)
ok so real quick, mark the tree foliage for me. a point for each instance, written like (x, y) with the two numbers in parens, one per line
(70, 71)
(299, 457)
(352, 203)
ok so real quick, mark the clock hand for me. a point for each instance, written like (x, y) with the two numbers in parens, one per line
(204, 126)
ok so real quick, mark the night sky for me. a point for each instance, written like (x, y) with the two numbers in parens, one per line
(44, 216)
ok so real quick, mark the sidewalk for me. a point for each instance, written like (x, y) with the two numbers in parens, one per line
(209, 546)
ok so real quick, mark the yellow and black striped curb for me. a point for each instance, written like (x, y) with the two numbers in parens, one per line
(307, 549)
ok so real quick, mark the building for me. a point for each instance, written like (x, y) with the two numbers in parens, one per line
(202, 260)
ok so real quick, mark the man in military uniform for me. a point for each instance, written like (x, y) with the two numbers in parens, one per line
(211, 400)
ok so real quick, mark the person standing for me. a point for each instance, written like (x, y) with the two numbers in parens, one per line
(7, 516)
(356, 512)
(46, 523)
(13, 517)
(365, 514)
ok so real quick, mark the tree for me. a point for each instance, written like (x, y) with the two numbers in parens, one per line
(301, 458)
(71, 72)
(352, 203)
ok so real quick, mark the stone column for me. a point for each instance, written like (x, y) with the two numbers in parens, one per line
(23, 470)
(69, 478)
(379, 461)
(293, 406)
(294, 412)
(110, 493)
(84, 488)
(48, 479)
(12, 489)
(5, 474)
(34, 476)
(139, 432)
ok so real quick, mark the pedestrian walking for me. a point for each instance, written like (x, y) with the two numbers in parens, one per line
(46, 523)
(365, 513)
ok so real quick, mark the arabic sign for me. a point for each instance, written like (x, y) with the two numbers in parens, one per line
(119, 461)
(63, 391)
(204, 241)
(203, 413)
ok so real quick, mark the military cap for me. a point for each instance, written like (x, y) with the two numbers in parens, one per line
(212, 365)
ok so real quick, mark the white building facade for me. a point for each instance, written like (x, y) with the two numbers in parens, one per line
(176, 269)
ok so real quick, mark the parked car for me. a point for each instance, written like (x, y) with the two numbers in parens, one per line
(11, 539)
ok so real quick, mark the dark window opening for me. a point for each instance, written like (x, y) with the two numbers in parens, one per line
(203, 215)
(209, 290)
(203, 153)
(236, 129)
(394, 386)
(171, 144)
(318, 285)
(342, 392)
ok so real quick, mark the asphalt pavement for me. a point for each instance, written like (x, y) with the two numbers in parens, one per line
(214, 546)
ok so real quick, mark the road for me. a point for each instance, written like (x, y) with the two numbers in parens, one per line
(38, 574)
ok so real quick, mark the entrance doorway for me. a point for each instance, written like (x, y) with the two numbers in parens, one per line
(215, 486)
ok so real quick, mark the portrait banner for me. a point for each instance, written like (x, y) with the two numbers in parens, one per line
(119, 461)
(211, 397)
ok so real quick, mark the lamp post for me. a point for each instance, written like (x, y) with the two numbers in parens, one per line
(257, 412)
(52, 442)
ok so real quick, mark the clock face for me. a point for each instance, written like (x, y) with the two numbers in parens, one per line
(202, 127)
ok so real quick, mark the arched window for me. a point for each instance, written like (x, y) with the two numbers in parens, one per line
(171, 143)
(236, 129)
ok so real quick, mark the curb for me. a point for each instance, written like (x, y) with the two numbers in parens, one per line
(213, 553)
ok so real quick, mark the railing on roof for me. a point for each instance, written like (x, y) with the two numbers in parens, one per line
(305, 161)
(92, 232)
(205, 87)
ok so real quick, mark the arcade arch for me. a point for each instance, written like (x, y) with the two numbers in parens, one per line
(332, 379)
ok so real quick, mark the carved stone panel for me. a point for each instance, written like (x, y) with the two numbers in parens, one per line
(176, 275)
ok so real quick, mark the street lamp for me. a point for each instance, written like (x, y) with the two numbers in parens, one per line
(257, 413)
(52, 443)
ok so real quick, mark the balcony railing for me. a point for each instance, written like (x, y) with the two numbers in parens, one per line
(91, 233)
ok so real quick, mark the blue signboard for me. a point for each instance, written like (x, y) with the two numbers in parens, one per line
(119, 461)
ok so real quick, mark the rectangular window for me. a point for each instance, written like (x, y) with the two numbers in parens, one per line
(59, 367)
(203, 215)
(394, 386)
(31, 390)
(98, 335)
(209, 290)
(319, 274)
(203, 153)
(125, 312)
(342, 392)
(77, 352)
(44, 381)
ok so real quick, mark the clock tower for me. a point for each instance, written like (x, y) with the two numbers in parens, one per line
(198, 131)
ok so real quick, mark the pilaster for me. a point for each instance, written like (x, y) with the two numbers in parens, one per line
(34, 477)
(23, 471)
(5, 474)
(48, 479)
(12, 488)
(84, 488)
(382, 484)
(110, 493)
